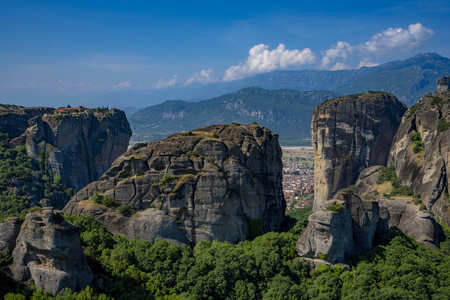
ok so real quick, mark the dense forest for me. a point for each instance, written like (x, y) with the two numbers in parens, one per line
(264, 268)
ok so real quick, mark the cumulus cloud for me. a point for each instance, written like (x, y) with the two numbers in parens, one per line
(261, 60)
(163, 84)
(341, 50)
(204, 76)
(366, 63)
(340, 66)
(397, 39)
(122, 85)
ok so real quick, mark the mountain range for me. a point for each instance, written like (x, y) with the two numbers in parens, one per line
(285, 110)
(407, 79)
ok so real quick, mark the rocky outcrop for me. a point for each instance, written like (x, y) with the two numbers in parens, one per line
(350, 134)
(420, 151)
(342, 227)
(14, 119)
(443, 84)
(80, 146)
(9, 230)
(347, 225)
(48, 250)
(219, 182)
(401, 211)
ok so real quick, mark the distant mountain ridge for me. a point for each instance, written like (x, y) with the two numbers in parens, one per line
(286, 112)
(407, 79)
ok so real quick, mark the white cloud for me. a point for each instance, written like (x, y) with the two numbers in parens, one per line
(397, 39)
(340, 66)
(89, 86)
(341, 50)
(122, 85)
(162, 84)
(366, 63)
(261, 60)
(204, 76)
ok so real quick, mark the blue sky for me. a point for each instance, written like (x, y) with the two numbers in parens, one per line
(94, 47)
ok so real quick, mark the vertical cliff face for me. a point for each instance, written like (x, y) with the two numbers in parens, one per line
(421, 150)
(218, 182)
(350, 134)
(79, 147)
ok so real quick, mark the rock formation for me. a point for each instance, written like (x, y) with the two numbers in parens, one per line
(14, 119)
(9, 230)
(48, 250)
(219, 182)
(80, 146)
(350, 134)
(340, 228)
(443, 84)
(401, 211)
(347, 224)
(420, 151)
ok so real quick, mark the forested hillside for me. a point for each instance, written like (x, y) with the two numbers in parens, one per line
(265, 268)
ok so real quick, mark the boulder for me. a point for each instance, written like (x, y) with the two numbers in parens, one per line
(48, 250)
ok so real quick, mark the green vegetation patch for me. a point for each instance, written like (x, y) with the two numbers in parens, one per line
(336, 207)
(412, 110)
(102, 109)
(166, 179)
(11, 106)
(106, 201)
(419, 146)
(443, 125)
(388, 174)
(22, 177)
(188, 133)
(126, 210)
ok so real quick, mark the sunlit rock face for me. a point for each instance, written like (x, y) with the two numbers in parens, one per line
(426, 167)
(350, 134)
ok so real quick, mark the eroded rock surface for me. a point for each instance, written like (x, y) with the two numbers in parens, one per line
(219, 182)
(350, 134)
(342, 227)
(424, 163)
(48, 250)
(9, 230)
(81, 146)
(347, 224)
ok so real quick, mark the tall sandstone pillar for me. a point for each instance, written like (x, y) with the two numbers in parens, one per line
(349, 134)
